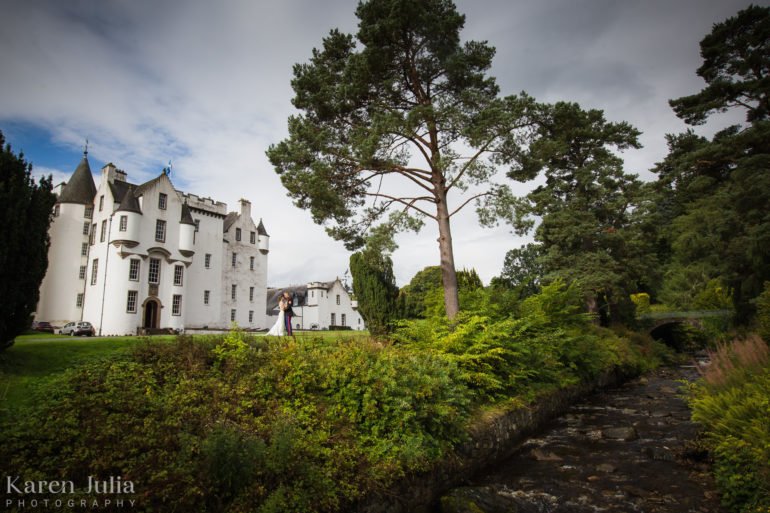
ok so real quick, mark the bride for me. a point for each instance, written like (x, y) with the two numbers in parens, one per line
(279, 328)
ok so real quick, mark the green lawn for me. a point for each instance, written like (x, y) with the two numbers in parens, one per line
(37, 357)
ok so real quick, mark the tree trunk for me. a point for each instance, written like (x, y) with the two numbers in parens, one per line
(448, 273)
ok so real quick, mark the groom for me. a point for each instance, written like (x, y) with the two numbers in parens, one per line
(288, 313)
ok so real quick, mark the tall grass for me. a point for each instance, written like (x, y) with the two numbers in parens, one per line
(732, 403)
(731, 361)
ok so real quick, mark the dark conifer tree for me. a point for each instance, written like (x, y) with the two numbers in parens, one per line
(25, 214)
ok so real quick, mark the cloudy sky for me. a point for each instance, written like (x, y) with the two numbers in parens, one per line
(205, 85)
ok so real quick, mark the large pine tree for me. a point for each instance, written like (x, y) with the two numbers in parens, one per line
(403, 118)
(25, 214)
(719, 189)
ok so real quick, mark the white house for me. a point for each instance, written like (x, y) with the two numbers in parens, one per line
(318, 305)
(130, 258)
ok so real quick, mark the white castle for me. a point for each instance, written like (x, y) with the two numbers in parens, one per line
(135, 258)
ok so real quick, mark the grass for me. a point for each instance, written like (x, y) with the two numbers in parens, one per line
(36, 358)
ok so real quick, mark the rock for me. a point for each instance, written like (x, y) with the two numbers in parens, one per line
(659, 453)
(660, 414)
(540, 455)
(620, 433)
(481, 499)
(606, 467)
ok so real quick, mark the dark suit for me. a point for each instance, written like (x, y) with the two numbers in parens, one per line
(288, 313)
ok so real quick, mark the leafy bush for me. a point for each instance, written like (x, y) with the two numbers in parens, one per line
(732, 402)
(763, 313)
(545, 341)
(234, 424)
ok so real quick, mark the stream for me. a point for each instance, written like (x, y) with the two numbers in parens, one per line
(627, 449)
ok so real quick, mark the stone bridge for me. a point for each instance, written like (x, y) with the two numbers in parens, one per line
(662, 325)
(654, 320)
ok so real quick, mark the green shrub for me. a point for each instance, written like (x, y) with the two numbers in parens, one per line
(732, 402)
(237, 424)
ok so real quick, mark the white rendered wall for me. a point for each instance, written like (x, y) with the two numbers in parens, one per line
(61, 284)
(208, 240)
(242, 275)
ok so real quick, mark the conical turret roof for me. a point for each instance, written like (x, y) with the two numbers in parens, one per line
(187, 217)
(129, 203)
(261, 229)
(81, 187)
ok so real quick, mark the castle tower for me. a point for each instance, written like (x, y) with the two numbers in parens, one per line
(63, 288)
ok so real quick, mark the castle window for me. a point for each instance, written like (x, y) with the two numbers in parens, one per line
(178, 274)
(251, 316)
(207, 261)
(253, 237)
(334, 320)
(89, 212)
(154, 273)
(235, 258)
(56, 210)
(233, 292)
(94, 270)
(206, 296)
(232, 315)
(251, 263)
(343, 319)
(251, 293)
(79, 300)
(338, 300)
(92, 238)
(86, 227)
(82, 274)
(237, 234)
(133, 269)
(103, 234)
(160, 230)
(197, 225)
(162, 201)
(131, 301)
(123, 223)
(83, 249)
(101, 202)
(176, 304)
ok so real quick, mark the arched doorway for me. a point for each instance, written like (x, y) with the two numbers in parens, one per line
(151, 314)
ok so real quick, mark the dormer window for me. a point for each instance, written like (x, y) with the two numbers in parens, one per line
(162, 201)
(237, 234)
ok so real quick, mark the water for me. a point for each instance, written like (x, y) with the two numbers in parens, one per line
(628, 449)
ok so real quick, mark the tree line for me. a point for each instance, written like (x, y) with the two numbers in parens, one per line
(406, 106)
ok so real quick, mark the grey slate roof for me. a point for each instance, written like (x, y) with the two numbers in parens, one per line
(298, 292)
(129, 203)
(261, 229)
(119, 189)
(187, 217)
(230, 219)
(81, 188)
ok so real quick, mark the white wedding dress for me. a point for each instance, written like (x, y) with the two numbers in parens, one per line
(279, 328)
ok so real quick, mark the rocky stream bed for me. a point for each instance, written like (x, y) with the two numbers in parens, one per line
(626, 449)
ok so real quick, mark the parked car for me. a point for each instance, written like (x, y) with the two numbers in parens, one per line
(78, 328)
(42, 326)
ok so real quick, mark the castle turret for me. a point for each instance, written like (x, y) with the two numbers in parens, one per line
(263, 239)
(129, 215)
(186, 232)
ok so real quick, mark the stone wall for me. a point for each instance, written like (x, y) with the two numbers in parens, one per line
(491, 441)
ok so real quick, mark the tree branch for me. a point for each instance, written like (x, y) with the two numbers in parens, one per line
(471, 160)
(407, 204)
(481, 195)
